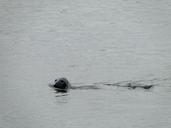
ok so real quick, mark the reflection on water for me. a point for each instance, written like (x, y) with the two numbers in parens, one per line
(62, 98)
(61, 95)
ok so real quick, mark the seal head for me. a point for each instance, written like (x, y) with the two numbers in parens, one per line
(62, 85)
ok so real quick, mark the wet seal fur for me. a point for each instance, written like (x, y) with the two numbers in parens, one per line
(61, 85)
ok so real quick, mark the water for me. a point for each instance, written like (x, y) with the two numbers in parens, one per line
(91, 43)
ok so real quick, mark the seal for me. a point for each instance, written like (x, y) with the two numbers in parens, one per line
(62, 85)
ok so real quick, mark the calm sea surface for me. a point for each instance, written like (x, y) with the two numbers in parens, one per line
(90, 42)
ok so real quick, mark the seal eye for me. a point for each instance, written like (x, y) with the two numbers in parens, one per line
(62, 81)
(56, 80)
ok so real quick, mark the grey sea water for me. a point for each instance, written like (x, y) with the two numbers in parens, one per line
(100, 43)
